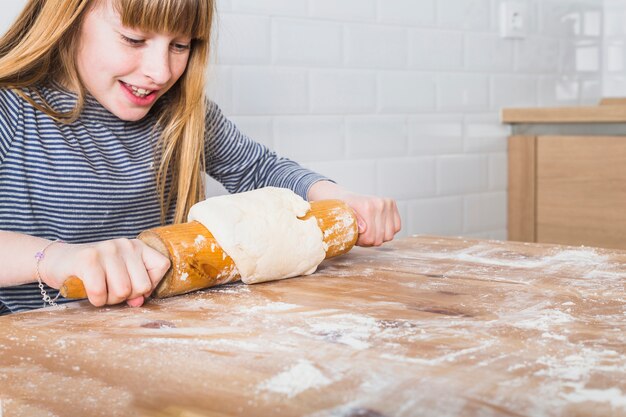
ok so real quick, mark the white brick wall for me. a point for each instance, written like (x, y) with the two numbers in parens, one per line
(402, 97)
(614, 84)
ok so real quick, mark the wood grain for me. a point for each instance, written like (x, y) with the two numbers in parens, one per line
(423, 326)
(522, 192)
(581, 196)
(613, 101)
(597, 114)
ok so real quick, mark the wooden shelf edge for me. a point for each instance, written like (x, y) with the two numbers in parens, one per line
(601, 114)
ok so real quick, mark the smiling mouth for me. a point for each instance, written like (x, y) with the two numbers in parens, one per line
(138, 92)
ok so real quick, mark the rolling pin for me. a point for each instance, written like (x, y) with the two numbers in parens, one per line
(198, 261)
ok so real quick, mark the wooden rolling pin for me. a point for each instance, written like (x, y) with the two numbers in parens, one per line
(198, 261)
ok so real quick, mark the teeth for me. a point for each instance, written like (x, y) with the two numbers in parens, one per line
(139, 92)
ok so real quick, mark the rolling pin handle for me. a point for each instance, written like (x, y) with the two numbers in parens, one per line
(73, 288)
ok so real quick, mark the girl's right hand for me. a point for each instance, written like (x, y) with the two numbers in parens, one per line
(112, 271)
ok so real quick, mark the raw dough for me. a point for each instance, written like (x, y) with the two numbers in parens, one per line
(261, 232)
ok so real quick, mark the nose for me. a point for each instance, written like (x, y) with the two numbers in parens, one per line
(156, 63)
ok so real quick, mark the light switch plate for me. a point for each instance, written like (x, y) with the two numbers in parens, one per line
(514, 19)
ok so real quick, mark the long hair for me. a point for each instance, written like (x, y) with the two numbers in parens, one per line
(41, 46)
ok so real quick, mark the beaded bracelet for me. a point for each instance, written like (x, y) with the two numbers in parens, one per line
(39, 256)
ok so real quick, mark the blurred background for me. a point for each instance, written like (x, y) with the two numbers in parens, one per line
(402, 98)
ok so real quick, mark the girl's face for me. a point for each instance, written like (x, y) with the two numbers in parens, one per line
(126, 69)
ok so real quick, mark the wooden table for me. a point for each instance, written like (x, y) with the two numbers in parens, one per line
(424, 326)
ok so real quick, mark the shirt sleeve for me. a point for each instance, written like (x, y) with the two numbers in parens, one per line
(10, 110)
(4, 309)
(241, 164)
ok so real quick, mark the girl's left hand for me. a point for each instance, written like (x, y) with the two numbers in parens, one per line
(378, 218)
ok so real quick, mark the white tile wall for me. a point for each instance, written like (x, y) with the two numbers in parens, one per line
(407, 12)
(348, 10)
(440, 216)
(266, 90)
(244, 39)
(342, 91)
(274, 7)
(407, 178)
(614, 70)
(435, 134)
(463, 92)
(310, 138)
(304, 42)
(406, 92)
(464, 14)
(462, 174)
(402, 97)
(375, 46)
(435, 50)
(376, 137)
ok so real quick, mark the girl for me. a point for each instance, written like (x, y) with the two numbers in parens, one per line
(105, 131)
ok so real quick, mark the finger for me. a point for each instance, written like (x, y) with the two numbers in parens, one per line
(366, 239)
(388, 231)
(139, 280)
(370, 236)
(361, 224)
(94, 281)
(381, 229)
(397, 220)
(136, 302)
(137, 272)
(156, 264)
(379, 210)
(391, 220)
(119, 285)
(93, 275)
(362, 240)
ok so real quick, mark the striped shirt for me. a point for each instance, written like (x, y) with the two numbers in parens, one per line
(94, 180)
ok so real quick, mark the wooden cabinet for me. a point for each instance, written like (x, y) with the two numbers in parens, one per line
(567, 176)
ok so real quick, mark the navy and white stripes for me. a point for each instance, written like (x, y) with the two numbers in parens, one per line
(94, 179)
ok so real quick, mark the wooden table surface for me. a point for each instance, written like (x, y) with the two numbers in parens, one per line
(424, 326)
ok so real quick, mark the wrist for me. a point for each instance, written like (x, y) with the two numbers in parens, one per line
(325, 190)
(39, 257)
(47, 262)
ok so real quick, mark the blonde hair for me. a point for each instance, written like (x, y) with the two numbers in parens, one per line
(41, 45)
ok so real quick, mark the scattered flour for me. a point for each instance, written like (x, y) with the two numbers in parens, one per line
(350, 272)
(343, 228)
(199, 241)
(548, 335)
(583, 257)
(614, 396)
(276, 306)
(295, 380)
(579, 367)
(448, 357)
(543, 320)
(352, 330)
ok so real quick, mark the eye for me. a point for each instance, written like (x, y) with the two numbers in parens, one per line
(132, 41)
(181, 47)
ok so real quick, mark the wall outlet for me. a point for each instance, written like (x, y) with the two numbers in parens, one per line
(514, 19)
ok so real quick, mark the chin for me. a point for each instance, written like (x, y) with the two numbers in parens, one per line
(126, 113)
(131, 116)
